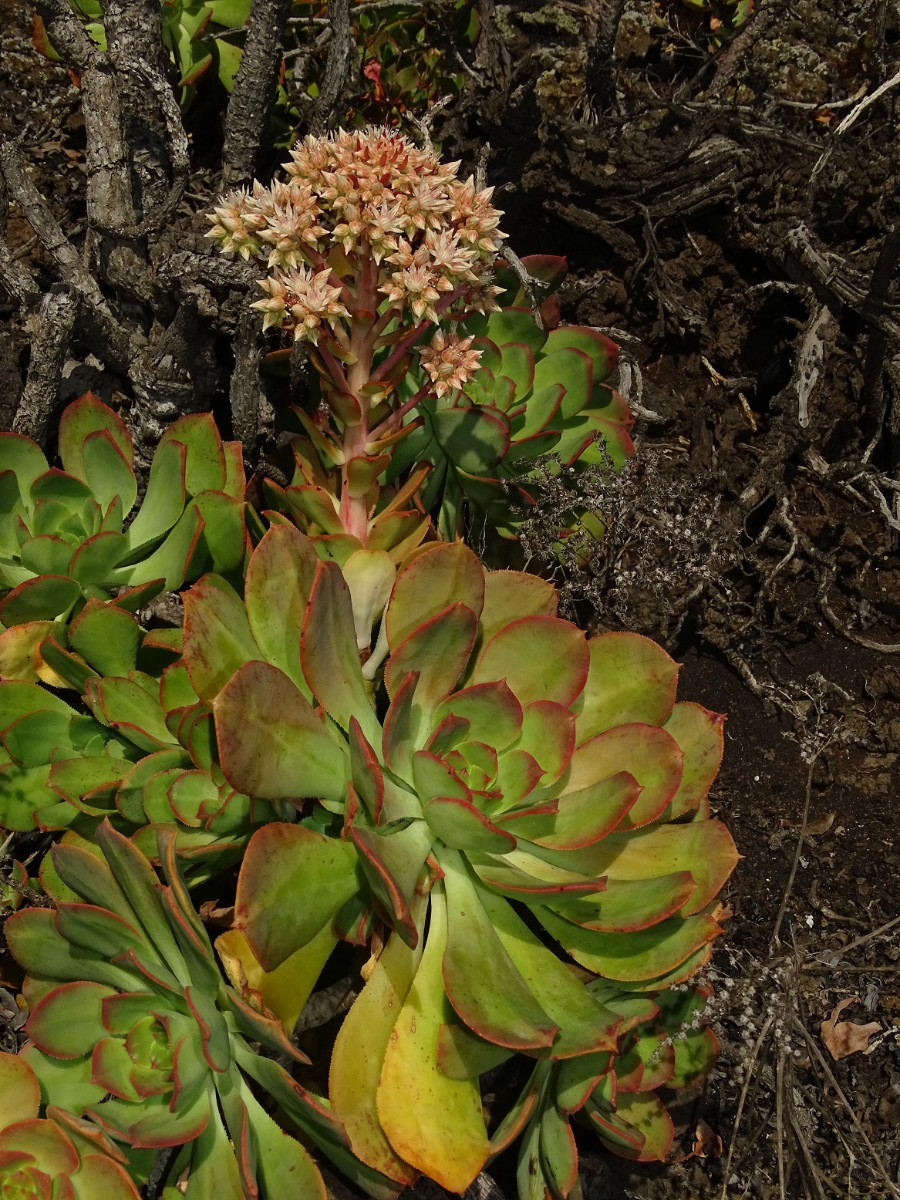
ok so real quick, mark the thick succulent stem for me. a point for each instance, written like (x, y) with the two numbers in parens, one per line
(354, 510)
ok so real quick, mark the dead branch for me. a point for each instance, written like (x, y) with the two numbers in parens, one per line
(337, 66)
(728, 63)
(52, 330)
(117, 344)
(254, 90)
(601, 27)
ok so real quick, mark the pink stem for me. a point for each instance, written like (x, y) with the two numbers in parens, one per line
(393, 420)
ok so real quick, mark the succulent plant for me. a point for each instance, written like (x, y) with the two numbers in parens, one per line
(369, 244)
(68, 536)
(515, 788)
(55, 1156)
(375, 250)
(134, 1032)
(142, 756)
(536, 393)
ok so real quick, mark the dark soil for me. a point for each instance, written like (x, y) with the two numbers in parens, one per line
(728, 203)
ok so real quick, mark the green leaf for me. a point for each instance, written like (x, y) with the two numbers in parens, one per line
(139, 883)
(288, 869)
(704, 848)
(462, 826)
(107, 470)
(271, 743)
(170, 561)
(329, 653)
(37, 945)
(107, 637)
(96, 558)
(47, 555)
(25, 461)
(164, 500)
(602, 352)
(585, 1024)
(631, 679)
(695, 1053)
(23, 790)
(557, 1152)
(541, 658)
(577, 1077)
(217, 635)
(67, 1022)
(223, 542)
(485, 706)
(646, 1115)
(283, 1166)
(474, 439)
(461, 1054)
(640, 955)
(205, 462)
(700, 736)
(440, 575)
(42, 599)
(393, 862)
(279, 581)
(583, 816)
(482, 982)
(126, 706)
(83, 417)
(90, 780)
(645, 752)
(64, 1084)
(31, 740)
(438, 650)
(626, 905)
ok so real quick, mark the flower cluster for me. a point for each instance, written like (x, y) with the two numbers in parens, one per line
(362, 216)
(449, 361)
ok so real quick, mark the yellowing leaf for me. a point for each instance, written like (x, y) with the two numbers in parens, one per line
(433, 1122)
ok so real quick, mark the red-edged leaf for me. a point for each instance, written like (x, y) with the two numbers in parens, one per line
(541, 658)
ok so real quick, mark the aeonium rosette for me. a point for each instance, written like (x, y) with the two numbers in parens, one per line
(135, 1040)
(515, 790)
(56, 1155)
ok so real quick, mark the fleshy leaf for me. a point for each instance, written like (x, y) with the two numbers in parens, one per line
(631, 679)
(440, 575)
(417, 1104)
(271, 743)
(482, 982)
(541, 658)
(330, 655)
(359, 1049)
(291, 869)
(217, 636)
(279, 581)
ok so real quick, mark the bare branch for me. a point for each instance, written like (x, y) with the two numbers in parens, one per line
(254, 90)
(336, 67)
(116, 344)
(53, 327)
(67, 33)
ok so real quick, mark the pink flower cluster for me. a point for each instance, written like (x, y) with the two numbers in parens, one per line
(449, 361)
(365, 217)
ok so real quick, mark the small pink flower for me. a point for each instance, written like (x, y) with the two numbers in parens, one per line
(449, 361)
(309, 298)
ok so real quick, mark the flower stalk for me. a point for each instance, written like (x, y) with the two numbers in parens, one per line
(369, 243)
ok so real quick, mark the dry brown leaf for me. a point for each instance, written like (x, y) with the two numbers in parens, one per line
(819, 826)
(844, 1037)
(707, 1143)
